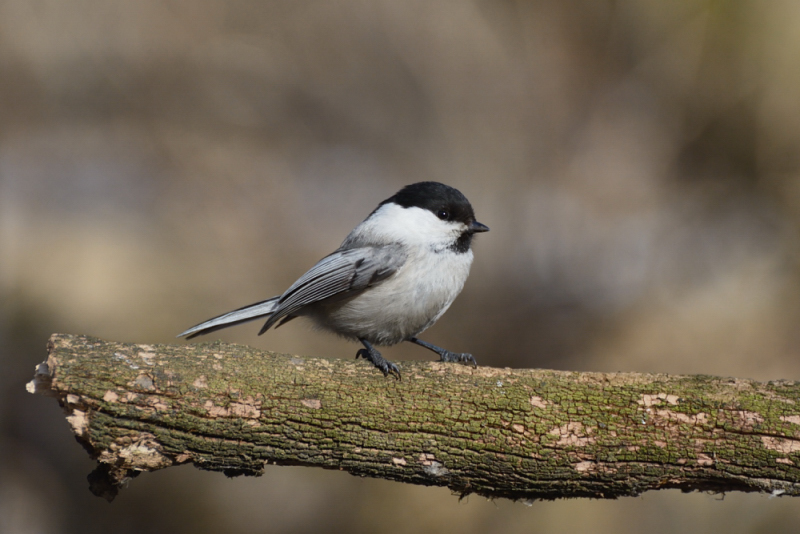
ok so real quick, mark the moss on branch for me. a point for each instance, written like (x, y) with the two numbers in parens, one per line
(514, 433)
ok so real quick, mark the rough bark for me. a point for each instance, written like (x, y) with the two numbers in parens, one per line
(514, 433)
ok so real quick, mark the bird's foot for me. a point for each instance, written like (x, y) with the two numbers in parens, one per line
(458, 357)
(384, 365)
(446, 355)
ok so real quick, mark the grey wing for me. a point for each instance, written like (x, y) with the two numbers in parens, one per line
(342, 272)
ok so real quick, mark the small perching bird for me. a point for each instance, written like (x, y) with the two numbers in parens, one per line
(394, 275)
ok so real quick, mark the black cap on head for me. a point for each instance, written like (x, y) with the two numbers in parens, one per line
(444, 201)
(447, 203)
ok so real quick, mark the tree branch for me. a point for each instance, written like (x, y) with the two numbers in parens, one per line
(514, 433)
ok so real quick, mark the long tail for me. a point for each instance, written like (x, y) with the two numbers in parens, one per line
(242, 315)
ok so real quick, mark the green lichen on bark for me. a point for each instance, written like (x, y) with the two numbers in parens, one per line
(521, 434)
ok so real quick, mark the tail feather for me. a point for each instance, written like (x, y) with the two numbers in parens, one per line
(232, 318)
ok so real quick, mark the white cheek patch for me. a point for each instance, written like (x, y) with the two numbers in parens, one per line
(413, 226)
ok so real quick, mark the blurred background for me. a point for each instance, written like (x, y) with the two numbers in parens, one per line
(161, 162)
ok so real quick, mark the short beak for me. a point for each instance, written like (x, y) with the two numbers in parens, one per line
(476, 227)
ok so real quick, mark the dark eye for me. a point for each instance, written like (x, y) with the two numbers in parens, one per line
(443, 214)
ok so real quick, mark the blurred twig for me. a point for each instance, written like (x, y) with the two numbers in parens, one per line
(520, 434)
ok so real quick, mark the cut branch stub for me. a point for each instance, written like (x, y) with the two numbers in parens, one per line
(520, 434)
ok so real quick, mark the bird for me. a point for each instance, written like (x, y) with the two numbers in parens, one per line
(394, 275)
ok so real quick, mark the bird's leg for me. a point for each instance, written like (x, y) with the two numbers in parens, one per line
(370, 353)
(446, 355)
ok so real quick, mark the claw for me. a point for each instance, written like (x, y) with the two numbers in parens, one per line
(385, 366)
(446, 355)
(459, 357)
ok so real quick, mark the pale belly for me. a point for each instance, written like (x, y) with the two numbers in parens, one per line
(401, 306)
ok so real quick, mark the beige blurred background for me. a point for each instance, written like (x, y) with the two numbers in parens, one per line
(638, 162)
